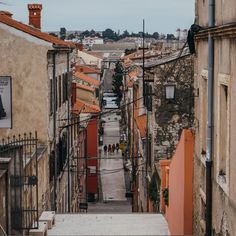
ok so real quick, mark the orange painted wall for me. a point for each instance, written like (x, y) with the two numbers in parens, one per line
(179, 213)
(92, 151)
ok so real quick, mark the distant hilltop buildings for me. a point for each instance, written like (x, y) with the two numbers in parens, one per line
(181, 34)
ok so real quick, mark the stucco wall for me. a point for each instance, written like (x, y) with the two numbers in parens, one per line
(179, 215)
(87, 96)
(26, 62)
(92, 151)
(224, 192)
(171, 116)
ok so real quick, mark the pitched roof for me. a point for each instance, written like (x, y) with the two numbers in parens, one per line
(133, 73)
(130, 83)
(168, 58)
(87, 78)
(5, 19)
(141, 123)
(85, 87)
(95, 54)
(83, 107)
(113, 46)
(86, 69)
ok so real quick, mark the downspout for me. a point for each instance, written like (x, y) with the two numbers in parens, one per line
(69, 133)
(209, 159)
(86, 165)
(54, 127)
(132, 158)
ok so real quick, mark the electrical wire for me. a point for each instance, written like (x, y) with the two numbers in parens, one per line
(95, 116)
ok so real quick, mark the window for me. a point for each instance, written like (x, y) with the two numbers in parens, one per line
(51, 96)
(59, 91)
(56, 93)
(223, 104)
(150, 150)
(65, 86)
(51, 165)
(61, 152)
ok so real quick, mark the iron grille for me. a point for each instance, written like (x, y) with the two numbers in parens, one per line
(23, 171)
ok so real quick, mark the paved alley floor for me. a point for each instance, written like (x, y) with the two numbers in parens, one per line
(111, 164)
(109, 224)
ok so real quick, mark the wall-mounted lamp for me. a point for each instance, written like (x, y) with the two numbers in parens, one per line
(170, 91)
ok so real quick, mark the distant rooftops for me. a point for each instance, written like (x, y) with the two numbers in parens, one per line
(87, 79)
(113, 46)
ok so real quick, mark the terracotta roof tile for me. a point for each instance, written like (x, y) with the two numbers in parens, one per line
(141, 124)
(130, 83)
(85, 87)
(32, 31)
(86, 69)
(83, 107)
(133, 73)
(87, 78)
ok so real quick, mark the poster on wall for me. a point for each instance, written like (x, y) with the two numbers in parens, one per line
(5, 102)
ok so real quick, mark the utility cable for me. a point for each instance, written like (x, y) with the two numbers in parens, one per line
(94, 116)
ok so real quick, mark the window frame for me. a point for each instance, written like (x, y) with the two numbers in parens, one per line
(223, 181)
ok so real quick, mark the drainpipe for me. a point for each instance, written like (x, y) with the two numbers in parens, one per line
(209, 159)
(54, 128)
(69, 133)
(86, 165)
(132, 159)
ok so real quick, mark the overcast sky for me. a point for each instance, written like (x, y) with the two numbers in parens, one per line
(163, 16)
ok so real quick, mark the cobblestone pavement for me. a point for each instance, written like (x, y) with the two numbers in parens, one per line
(112, 177)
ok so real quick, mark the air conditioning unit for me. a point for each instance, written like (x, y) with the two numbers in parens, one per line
(49, 217)
(41, 231)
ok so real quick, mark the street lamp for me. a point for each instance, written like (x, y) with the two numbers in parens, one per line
(170, 91)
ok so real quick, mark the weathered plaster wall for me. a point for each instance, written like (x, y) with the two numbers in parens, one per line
(224, 189)
(87, 96)
(171, 116)
(26, 62)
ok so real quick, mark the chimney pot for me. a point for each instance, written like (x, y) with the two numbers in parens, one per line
(35, 15)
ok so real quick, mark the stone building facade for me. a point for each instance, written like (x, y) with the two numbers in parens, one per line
(223, 194)
(40, 68)
(172, 115)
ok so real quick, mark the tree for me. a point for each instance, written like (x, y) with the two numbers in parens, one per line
(92, 32)
(110, 34)
(156, 35)
(170, 37)
(118, 82)
(85, 33)
(125, 34)
(71, 36)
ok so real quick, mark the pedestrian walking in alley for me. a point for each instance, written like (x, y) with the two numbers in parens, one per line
(105, 148)
(113, 147)
(109, 148)
(117, 147)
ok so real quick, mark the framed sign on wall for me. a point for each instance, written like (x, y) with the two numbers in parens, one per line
(5, 102)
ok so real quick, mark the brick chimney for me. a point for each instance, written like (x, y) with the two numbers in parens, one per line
(35, 15)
